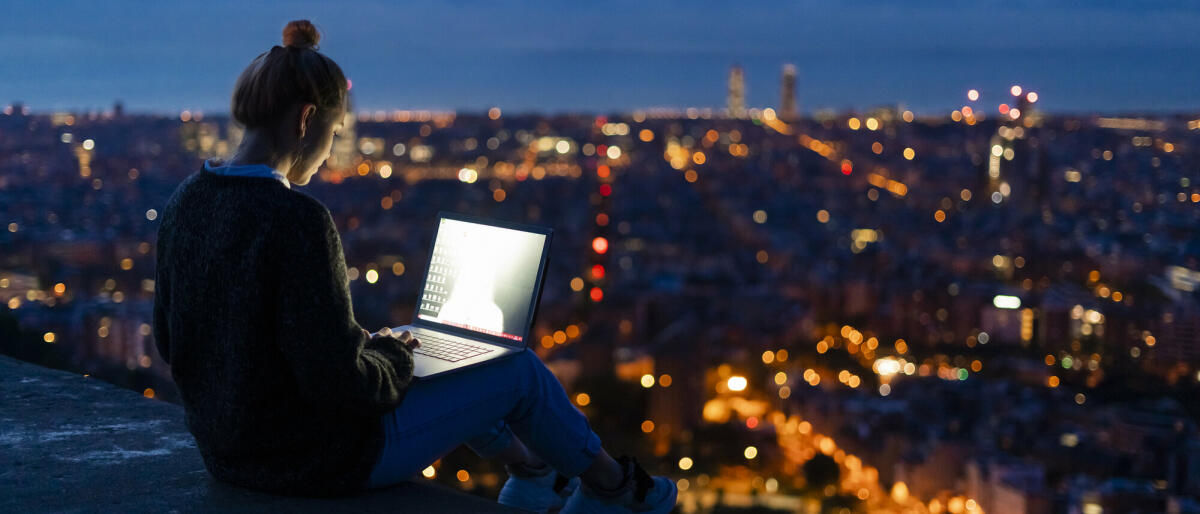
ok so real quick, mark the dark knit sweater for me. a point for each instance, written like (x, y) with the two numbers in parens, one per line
(282, 388)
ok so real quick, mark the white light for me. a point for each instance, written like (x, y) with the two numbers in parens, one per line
(88, 144)
(151, 214)
(468, 175)
(1003, 301)
(1016, 90)
(737, 383)
(887, 366)
(562, 146)
(973, 95)
(614, 152)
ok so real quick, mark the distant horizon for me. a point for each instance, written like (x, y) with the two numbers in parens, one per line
(717, 111)
(536, 57)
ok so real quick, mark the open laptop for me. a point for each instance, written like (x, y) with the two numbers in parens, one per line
(480, 293)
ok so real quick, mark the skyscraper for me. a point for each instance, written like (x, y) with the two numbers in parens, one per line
(737, 93)
(787, 93)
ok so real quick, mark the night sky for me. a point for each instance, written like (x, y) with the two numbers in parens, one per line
(1080, 56)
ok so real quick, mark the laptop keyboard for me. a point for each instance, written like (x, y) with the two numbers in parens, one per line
(447, 349)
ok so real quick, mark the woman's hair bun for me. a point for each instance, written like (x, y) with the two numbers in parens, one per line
(301, 34)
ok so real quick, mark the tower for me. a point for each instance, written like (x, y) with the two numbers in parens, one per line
(737, 93)
(787, 93)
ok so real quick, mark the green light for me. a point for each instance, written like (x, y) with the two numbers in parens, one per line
(962, 373)
(1066, 363)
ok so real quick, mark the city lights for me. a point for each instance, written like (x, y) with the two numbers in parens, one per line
(736, 383)
(600, 245)
(887, 366)
(792, 283)
(1002, 301)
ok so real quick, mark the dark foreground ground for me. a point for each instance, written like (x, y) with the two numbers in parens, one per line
(75, 444)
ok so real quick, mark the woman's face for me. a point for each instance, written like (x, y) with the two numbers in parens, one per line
(318, 141)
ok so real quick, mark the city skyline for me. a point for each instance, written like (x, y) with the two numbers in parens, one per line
(617, 57)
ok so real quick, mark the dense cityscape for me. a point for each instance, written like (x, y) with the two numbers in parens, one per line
(992, 309)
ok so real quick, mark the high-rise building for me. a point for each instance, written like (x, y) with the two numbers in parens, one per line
(737, 93)
(787, 93)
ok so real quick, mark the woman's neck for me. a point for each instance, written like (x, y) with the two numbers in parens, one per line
(257, 147)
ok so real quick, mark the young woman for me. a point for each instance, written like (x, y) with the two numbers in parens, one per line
(283, 390)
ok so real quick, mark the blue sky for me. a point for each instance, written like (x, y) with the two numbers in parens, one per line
(1093, 56)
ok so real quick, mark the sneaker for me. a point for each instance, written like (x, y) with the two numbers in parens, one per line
(536, 489)
(638, 492)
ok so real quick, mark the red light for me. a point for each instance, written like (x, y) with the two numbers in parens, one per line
(600, 245)
(605, 190)
(602, 171)
(847, 167)
(601, 120)
(602, 219)
(751, 422)
(349, 84)
(596, 294)
(597, 272)
(602, 150)
(1003, 108)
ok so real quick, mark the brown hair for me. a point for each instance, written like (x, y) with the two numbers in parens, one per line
(286, 76)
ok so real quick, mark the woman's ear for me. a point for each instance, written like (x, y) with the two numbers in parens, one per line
(308, 114)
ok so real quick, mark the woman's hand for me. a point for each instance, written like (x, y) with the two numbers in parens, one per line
(404, 337)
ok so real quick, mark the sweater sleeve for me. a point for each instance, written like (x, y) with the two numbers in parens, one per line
(162, 339)
(334, 360)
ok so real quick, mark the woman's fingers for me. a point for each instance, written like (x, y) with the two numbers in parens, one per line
(405, 337)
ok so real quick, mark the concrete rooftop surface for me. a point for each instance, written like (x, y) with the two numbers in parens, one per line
(75, 444)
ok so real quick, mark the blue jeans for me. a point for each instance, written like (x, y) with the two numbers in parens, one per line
(483, 407)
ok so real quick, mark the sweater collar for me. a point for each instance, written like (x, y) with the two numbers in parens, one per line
(246, 170)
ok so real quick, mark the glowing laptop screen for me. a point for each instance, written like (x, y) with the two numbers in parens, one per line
(482, 278)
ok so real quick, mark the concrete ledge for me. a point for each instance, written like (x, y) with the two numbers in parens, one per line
(75, 444)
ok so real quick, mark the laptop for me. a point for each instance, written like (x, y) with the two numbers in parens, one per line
(480, 293)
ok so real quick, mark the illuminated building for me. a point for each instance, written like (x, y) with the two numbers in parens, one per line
(787, 93)
(736, 102)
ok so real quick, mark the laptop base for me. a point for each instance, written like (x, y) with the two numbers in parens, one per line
(425, 366)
